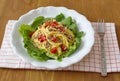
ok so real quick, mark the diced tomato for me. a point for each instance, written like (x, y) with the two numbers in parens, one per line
(61, 29)
(47, 24)
(54, 50)
(53, 24)
(63, 47)
(30, 35)
(54, 39)
(41, 38)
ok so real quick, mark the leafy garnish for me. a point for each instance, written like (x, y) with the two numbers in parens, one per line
(38, 21)
(60, 17)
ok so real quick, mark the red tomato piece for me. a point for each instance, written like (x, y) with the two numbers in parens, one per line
(63, 47)
(61, 29)
(54, 23)
(54, 50)
(54, 39)
(47, 24)
(41, 38)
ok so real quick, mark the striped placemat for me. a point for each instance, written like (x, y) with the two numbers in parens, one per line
(90, 63)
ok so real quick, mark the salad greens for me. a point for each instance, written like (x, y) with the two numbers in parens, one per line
(41, 54)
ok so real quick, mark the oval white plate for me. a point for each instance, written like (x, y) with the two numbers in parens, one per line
(50, 11)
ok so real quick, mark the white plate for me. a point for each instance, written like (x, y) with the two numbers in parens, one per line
(50, 11)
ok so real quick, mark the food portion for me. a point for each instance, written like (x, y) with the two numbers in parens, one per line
(51, 38)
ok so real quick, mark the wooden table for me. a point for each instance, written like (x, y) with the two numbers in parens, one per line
(92, 9)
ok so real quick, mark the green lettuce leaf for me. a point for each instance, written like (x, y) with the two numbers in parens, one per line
(25, 30)
(60, 17)
(67, 21)
(38, 21)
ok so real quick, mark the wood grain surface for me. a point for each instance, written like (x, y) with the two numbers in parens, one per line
(92, 9)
